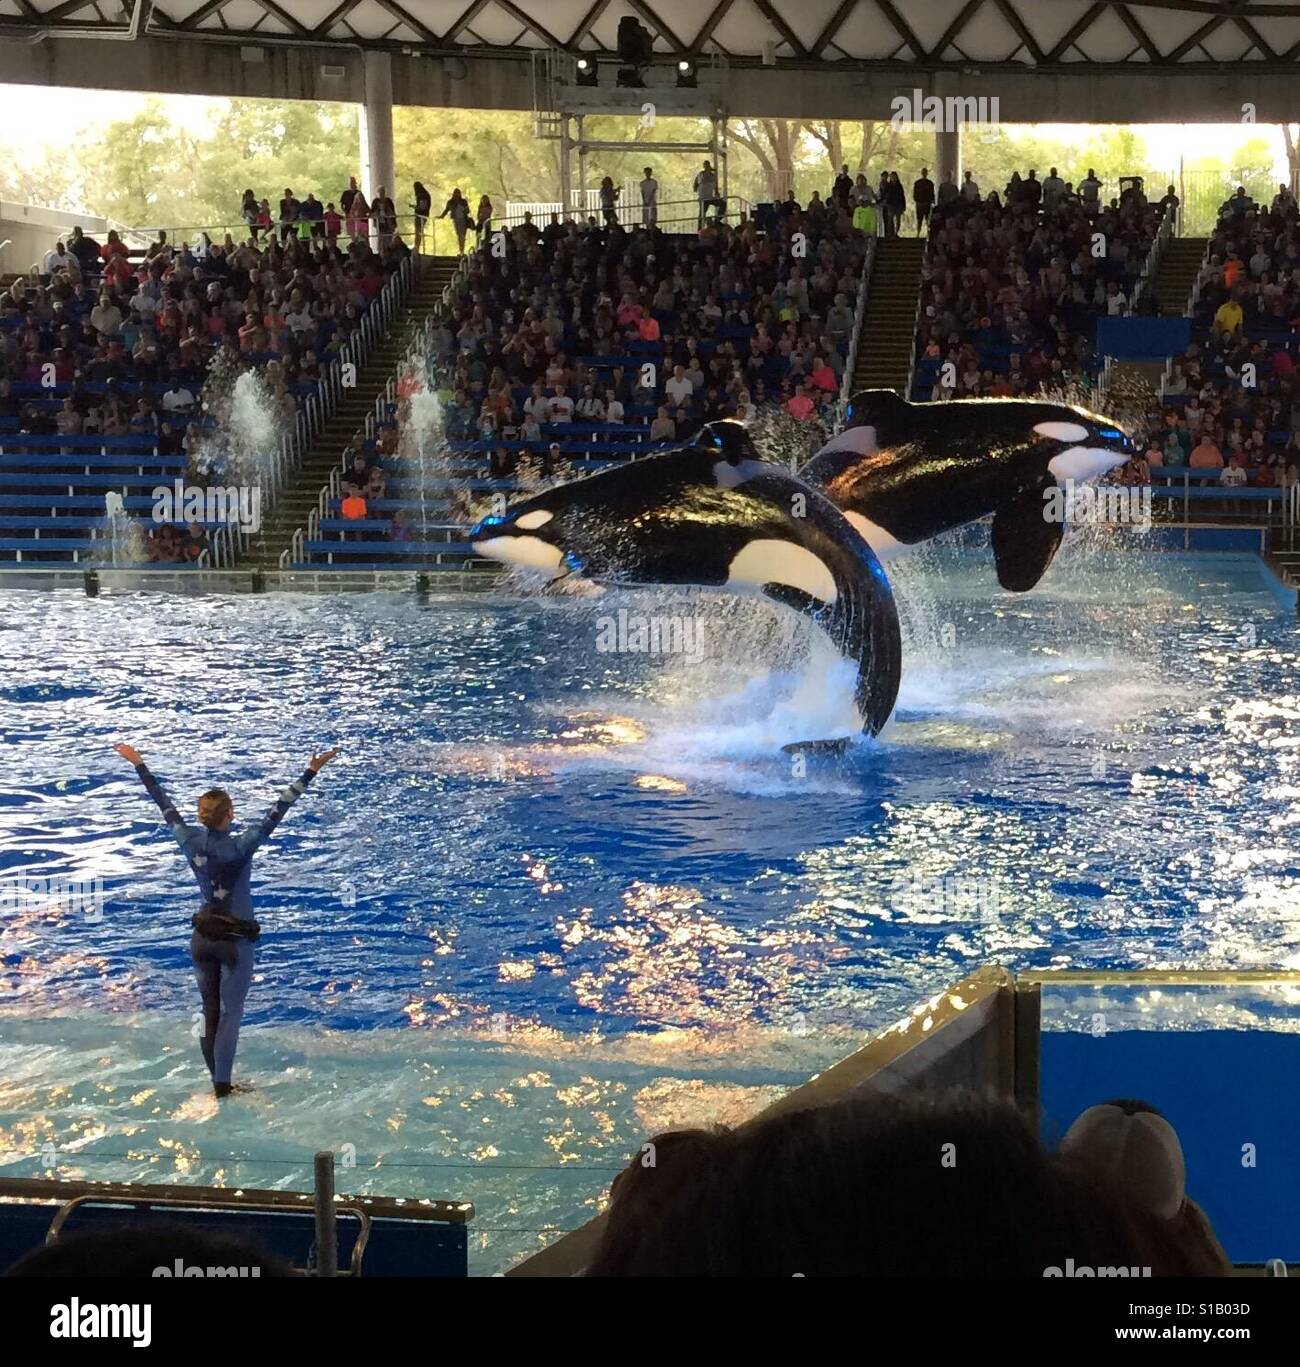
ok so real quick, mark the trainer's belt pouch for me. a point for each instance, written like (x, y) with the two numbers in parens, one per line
(215, 924)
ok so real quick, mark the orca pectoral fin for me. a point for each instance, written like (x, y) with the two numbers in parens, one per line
(1025, 538)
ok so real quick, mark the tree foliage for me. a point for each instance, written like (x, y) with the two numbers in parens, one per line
(156, 168)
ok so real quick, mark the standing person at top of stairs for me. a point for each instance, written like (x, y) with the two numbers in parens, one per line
(457, 209)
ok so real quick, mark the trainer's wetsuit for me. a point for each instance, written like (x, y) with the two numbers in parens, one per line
(221, 863)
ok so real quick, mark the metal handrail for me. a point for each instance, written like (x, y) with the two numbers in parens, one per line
(189, 1203)
(1151, 265)
(859, 321)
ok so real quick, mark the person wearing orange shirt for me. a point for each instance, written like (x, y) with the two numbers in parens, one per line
(1206, 455)
(648, 326)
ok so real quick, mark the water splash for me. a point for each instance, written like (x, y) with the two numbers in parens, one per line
(121, 533)
(243, 428)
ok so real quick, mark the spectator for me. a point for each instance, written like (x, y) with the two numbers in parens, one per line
(483, 218)
(85, 249)
(1233, 475)
(679, 389)
(706, 191)
(1131, 1146)
(608, 194)
(177, 399)
(1090, 193)
(895, 202)
(1206, 455)
(288, 214)
(590, 406)
(843, 187)
(383, 213)
(922, 197)
(800, 404)
(58, 258)
(422, 207)
(357, 215)
(662, 428)
(312, 212)
(1228, 318)
(856, 1188)
(649, 199)
(457, 209)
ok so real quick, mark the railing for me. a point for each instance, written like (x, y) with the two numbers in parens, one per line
(141, 238)
(859, 321)
(1147, 280)
(682, 214)
(1279, 505)
(418, 346)
(319, 407)
(916, 324)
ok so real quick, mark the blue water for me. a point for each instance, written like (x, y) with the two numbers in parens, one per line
(550, 898)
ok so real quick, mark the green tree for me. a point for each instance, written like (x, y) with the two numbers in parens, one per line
(142, 170)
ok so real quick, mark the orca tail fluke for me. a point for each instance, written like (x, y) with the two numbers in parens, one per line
(838, 746)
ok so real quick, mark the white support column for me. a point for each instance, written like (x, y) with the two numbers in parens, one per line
(566, 166)
(947, 157)
(377, 165)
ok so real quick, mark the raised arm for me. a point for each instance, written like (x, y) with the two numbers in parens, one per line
(180, 831)
(250, 840)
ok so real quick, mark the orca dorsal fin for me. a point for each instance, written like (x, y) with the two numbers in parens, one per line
(1024, 539)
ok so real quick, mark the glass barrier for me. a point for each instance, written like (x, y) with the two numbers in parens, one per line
(1218, 1055)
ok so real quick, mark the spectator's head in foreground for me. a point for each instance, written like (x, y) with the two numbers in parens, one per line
(1135, 1148)
(875, 1186)
(139, 1249)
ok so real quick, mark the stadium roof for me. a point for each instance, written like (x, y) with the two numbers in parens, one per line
(1057, 35)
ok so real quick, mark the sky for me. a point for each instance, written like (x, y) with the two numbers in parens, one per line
(32, 117)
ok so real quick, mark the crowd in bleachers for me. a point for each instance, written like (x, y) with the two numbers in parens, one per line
(1013, 284)
(1231, 409)
(602, 327)
(589, 342)
(107, 350)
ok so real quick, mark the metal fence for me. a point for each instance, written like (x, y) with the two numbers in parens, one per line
(677, 215)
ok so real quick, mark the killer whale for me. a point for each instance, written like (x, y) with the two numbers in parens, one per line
(904, 472)
(713, 513)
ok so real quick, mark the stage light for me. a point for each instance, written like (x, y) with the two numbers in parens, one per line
(587, 74)
(687, 74)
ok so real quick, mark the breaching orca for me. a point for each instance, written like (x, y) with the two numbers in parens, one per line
(713, 513)
(904, 472)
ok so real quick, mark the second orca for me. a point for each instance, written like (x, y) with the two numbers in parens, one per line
(903, 472)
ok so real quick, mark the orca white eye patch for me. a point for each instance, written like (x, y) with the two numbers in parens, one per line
(1062, 431)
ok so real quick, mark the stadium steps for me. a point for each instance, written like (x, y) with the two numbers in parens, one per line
(1285, 563)
(300, 499)
(1180, 263)
(888, 335)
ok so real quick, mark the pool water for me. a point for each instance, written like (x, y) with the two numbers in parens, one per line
(553, 897)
